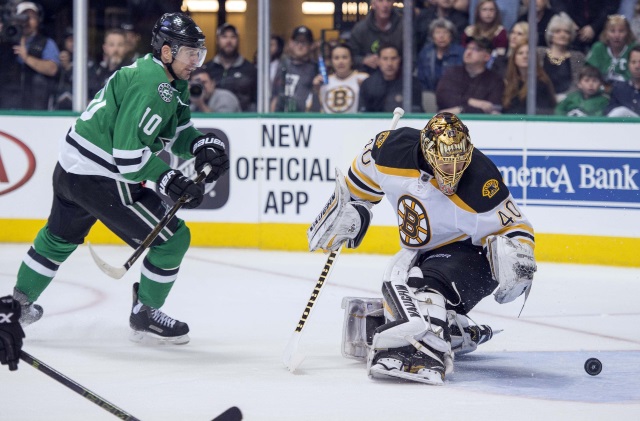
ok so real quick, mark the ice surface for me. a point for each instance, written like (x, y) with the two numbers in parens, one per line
(243, 305)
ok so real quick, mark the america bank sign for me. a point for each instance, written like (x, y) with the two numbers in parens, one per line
(585, 178)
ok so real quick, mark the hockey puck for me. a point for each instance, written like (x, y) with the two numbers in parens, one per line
(593, 366)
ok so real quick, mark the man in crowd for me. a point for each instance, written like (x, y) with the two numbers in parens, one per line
(293, 84)
(383, 90)
(29, 77)
(206, 97)
(229, 70)
(625, 96)
(383, 25)
(114, 51)
(471, 87)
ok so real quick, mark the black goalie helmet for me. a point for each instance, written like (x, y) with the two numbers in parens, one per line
(178, 30)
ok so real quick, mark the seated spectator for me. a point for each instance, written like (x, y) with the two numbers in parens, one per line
(509, 11)
(132, 40)
(382, 25)
(29, 65)
(230, 71)
(439, 54)
(293, 85)
(342, 93)
(610, 54)
(635, 21)
(276, 48)
(544, 13)
(471, 88)
(515, 90)
(590, 17)
(519, 34)
(589, 99)
(207, 98)
(488, 24)
(114, 50)
(64, 96)
(383, 90)
(625, 96)
(440, 9)
(558, 61)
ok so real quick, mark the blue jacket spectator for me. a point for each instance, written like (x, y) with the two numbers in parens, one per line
(439, 54)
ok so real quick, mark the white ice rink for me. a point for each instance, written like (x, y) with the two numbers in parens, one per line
(242, 306)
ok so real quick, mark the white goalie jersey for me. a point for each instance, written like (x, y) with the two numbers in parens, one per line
(392, 165)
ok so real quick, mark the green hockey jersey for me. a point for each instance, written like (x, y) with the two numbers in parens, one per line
(131, 119)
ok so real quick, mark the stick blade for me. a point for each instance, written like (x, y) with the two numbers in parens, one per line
(231, 414)
(291, 358)
(113, 272)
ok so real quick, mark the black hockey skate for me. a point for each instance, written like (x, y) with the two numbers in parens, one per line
(31, 313)
(152, 324)
(409, 364)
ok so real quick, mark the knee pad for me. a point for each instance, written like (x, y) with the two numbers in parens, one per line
(169, 254)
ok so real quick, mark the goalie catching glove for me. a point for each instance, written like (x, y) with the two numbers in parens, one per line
(512, 265)
(341, 220)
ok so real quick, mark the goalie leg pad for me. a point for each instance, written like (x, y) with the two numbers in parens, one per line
(340, 221)
(361, 317)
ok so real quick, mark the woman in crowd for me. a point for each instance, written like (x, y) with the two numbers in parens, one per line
(515, 91)
(610, 55)
(439, 54)
(558, 61)
(519, 35)
(341, 94)
(488, 24)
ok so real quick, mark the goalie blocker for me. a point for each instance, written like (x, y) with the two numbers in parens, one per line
(340, 221)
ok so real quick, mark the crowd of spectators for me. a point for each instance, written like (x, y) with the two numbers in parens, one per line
(470, 56)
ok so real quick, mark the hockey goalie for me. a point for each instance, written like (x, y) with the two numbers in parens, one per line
(462, 238)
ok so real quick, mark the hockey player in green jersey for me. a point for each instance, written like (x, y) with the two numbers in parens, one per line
(104, 160)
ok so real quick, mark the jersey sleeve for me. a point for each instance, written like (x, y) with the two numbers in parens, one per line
(507, 220)
(179, 142)
(362, 177)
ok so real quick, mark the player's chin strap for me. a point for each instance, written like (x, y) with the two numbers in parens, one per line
(170, 68)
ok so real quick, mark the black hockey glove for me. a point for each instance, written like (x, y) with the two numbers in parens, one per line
(11, 332)
(208, 149)
(174, 184)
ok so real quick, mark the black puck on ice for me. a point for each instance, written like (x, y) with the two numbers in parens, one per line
(593, 366)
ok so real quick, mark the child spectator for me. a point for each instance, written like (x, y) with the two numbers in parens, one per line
(625, 96)
(588, 100)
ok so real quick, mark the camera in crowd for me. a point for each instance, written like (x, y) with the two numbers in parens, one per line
(12, 25)
(196, 90)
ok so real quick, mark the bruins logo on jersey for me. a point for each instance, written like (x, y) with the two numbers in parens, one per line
(165, 91)
(381, 138)
(413, 222)
(490, 188)
(340, 99)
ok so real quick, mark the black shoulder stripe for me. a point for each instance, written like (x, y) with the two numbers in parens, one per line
(481, 186)
(356, 180)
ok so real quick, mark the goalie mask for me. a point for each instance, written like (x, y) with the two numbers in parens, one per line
(446, 146)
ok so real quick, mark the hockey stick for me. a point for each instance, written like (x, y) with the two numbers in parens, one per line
(81, 390)
(118, 272)
(291, 357)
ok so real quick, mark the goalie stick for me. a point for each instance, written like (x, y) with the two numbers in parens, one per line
(231, 414)
(291, 357)
(118, 272)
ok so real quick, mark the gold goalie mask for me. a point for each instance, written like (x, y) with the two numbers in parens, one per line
(446, 146)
